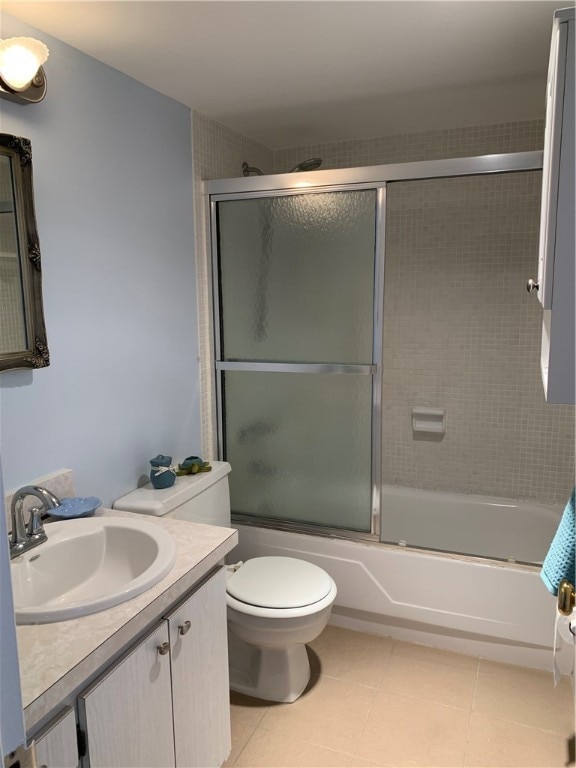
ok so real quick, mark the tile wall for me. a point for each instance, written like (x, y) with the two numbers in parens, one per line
(522, 136)
(502, 439)
(218, 153)
(461, 333)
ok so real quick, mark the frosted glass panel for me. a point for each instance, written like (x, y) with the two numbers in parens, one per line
(299, 446)
(297, 276)
(461, 334)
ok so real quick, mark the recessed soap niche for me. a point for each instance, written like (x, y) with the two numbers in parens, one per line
(430, 420)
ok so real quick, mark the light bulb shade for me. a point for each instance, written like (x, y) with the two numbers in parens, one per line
(20, 60)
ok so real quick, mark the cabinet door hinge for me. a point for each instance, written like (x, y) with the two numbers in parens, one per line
(81, 739)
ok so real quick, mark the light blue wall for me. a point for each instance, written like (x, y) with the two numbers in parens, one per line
(113, 191)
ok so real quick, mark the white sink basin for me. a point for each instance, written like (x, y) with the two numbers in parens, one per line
(88, 565)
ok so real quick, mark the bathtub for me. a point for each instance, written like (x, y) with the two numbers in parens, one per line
(484, 526)
(497, 609)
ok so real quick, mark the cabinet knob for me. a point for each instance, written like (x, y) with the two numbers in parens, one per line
(532, 285)
(163, 649)
(183, 628)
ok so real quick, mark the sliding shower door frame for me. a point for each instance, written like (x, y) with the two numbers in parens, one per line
(317, 182)
(374, 369)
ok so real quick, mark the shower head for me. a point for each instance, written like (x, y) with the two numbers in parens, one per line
(248, 170)
(308, 165)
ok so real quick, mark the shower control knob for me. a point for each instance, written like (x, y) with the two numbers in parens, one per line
(532, 285)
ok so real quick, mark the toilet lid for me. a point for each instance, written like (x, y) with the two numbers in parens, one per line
(279, 582)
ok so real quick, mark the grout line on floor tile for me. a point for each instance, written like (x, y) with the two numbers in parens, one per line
(361, 732)
(244, 747)
(472, 708)
(351, 682)
(271, 729)
(424, 700)
(465, 762)
(505, 719)
(518, 724)
(476, 685)
(348, 755)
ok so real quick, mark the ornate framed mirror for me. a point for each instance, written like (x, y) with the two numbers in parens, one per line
(23, 342)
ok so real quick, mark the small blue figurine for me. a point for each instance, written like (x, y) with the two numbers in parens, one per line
(162, 475)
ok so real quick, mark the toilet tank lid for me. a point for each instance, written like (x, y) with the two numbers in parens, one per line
(279, 582)
(153, 501)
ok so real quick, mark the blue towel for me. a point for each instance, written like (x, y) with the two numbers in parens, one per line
(559, 562)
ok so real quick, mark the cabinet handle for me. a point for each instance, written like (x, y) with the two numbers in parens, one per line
(163, 649)
(532, 285)
(183, 628)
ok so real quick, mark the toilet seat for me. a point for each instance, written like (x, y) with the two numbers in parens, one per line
(258, 584)
(279, 583)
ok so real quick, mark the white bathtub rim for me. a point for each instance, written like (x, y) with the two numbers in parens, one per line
(370, 540)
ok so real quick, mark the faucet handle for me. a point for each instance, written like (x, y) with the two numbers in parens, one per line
(18, 533)
(35, 526)
(21, 539)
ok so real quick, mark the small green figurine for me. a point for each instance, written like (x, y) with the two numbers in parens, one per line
(192, 465)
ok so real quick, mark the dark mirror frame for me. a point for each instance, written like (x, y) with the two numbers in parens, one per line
(36, 355)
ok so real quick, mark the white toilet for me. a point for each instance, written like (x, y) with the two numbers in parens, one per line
(275, 604)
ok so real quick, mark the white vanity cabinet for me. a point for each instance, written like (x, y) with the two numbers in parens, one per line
(200, 685)
(127, 714)
(166, 703)
(56, 744)
(556, 260)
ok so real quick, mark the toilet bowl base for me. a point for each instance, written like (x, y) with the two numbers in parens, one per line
(272, 674)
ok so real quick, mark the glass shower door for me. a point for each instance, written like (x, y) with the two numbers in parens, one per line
(461, 336)
(295, 354)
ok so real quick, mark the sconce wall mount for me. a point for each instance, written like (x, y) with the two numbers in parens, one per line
(22, 77)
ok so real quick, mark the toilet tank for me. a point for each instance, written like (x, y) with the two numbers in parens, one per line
(202, 498)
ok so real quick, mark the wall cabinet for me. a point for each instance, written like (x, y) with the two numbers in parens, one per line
(166, 703)
(556, 260)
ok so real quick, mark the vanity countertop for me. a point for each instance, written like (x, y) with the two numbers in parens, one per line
(57, 658)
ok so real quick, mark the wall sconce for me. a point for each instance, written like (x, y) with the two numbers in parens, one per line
(22, 78)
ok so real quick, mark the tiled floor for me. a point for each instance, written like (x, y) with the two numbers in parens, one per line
(376, 702)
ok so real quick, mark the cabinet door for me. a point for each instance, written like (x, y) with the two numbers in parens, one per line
(551, 165)
(127, 714)
(557, 275)
(200, 690)
(56, 745)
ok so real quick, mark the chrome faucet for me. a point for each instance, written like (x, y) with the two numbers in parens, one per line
(21, 540)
